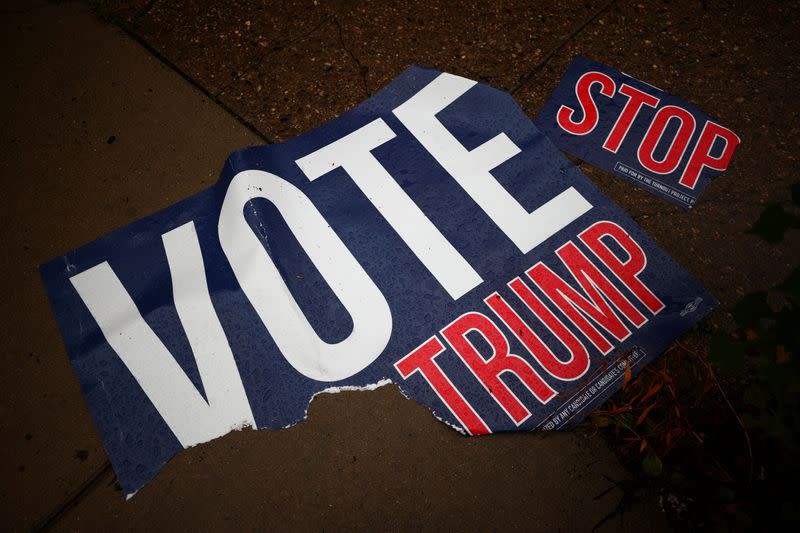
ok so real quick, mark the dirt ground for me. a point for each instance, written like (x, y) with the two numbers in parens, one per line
(362, 460)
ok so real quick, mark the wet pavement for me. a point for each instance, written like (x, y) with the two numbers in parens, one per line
(101, 130)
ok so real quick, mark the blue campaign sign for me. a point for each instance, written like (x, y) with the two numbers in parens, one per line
(634, 130)
(432, 237)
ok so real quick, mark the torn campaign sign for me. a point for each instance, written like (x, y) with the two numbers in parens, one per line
(634, 130)
(432, 237)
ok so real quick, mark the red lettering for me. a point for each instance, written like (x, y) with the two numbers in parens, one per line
(565, 115)
(701, 155)
(578, 362)
(676, 148)
(488, 370)
(627, 271)
(591, 279)
(636, 99)
(577, 307)
(422, 360)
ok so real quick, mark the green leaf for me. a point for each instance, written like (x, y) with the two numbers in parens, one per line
(750, 420)
(601, 421)
(725, 494)
(677, 477)
(791, 286)
(751, 309)
(773, 426)
(773, 223)
(790, 513)
(755, 396)
(727, 354)
(787, 332)
(651, 465)
(625, 420)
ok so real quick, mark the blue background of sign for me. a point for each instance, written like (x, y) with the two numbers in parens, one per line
(136, 438)
(589, 147)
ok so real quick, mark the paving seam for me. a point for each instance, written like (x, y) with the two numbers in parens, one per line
(525, 78)
(73, 499)
(172, 66)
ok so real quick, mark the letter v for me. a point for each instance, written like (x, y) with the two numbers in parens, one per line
(183, 408)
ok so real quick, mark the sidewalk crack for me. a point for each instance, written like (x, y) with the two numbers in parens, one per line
(525, 78)
(363, 70)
